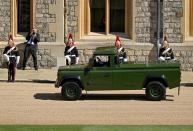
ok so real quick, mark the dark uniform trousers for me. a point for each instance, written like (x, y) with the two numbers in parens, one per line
(11, 68)
(30, 49)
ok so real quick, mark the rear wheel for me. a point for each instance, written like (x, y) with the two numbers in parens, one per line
(155, 91)
(71, 91)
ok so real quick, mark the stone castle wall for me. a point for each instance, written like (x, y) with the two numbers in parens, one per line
(43, 18)
(44, 59)
(146, 17)
(72, 18)
(145, 21)
(173, 11)
(184, 54)
(5, 19)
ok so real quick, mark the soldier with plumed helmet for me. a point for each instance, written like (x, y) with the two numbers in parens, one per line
(71, 52)
(12, 57)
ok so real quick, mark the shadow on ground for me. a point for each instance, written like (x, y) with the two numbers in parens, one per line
(48, 96)
(32, 81)
(187, 84)
(58, 97)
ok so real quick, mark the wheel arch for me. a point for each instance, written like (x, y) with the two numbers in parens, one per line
(76, 79)
(162, 79)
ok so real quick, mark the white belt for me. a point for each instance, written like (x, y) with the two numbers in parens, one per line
(12, 56)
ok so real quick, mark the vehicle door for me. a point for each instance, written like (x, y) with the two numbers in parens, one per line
(99, 76)
(129, 77)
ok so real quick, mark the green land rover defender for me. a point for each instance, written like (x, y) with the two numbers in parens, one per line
(105, 72)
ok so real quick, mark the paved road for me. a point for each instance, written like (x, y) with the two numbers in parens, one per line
(31, 101)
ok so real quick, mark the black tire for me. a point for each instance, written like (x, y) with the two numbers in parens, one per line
(71, 91)
(155, 91)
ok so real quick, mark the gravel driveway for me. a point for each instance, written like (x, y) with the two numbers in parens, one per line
(41, 103)
(34, 100)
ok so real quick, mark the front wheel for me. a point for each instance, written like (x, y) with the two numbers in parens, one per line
(71, 91)
(155, 91)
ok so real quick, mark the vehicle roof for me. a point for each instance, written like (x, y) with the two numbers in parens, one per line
(109, 50)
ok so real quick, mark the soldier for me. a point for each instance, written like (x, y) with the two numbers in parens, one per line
(12, 58)
(121, 50)
(166, 52)
(71, 52)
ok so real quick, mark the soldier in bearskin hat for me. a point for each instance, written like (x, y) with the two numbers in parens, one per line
(71, 52)
(12, 58)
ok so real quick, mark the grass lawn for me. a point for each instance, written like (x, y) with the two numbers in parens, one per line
(92, 128)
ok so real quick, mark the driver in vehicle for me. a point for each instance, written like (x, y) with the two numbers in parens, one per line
(98, 62)
(101, 61)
